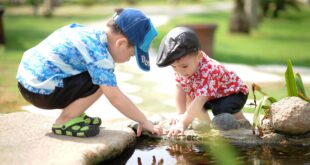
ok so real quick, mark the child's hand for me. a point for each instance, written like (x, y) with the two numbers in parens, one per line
(179, 127)
(175, 119)
(154, 129)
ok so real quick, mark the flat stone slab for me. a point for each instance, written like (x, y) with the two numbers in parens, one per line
(26, 138)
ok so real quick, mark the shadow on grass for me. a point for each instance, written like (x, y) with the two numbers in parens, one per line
(256, 60)
(289, 39)
(17, 39)
(26, 30)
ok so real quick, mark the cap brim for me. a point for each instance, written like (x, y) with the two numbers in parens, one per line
(142, 58)
(142, 51)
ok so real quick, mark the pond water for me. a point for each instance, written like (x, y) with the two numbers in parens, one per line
(154, 152)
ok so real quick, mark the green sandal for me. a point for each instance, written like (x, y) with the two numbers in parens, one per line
(76, 127)
(91, 120)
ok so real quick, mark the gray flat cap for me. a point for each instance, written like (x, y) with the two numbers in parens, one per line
(179, 42)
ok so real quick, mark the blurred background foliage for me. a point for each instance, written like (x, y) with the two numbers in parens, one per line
(254, 32)
(272, 40)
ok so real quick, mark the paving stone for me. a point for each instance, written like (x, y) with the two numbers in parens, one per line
(26, 138)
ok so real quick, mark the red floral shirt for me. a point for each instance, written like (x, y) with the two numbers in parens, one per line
(212, 80)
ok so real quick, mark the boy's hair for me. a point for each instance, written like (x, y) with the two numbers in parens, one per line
(179, 42)
(115, 28)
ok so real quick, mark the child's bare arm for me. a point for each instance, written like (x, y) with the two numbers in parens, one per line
(180, 99)
(121, 102)
(194, 110)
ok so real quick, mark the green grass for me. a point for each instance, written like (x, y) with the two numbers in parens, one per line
(10, 100)
(275, 40)
(22, 32)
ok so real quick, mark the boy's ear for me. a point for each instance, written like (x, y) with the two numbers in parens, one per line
(121, 42)
(200, 54)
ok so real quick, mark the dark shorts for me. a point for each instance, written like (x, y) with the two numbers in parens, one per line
(75, 87)
(228, 104)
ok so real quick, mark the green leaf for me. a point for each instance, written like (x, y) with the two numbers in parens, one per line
(257, 88)
(263, 103)
(272, 99)
(291, 88)
(300, 85)
(256, 119)
(303, 97)
(223, 152)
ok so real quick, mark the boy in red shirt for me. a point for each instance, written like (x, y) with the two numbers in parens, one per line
(202, 83)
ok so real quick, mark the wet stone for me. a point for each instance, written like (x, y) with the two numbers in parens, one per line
(224, 121)
(27, 137)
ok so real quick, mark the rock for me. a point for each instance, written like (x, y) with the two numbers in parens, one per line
(224, 121)
(155, 119)
(201, 125)
(27, 138)
(244, 123)
(266, 126)
(291, 116)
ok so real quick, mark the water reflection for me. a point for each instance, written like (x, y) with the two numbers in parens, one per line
(154, 161)
(161, 152)
(152, 152)
(280, 155)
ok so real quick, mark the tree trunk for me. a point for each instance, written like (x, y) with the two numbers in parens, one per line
(264, 7)
(279, 5)
(35, 7)
(251, 7)
(17, 2)
(48, 8)
(239, 22)
(2, 36)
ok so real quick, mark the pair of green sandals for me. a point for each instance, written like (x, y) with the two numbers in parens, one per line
(82, 126)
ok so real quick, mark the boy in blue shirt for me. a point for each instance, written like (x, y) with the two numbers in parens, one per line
(74, 66)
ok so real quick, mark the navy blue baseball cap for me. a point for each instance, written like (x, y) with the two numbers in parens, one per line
(140, 31)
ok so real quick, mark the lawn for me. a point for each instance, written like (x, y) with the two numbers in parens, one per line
(22, 32)
(273, 42)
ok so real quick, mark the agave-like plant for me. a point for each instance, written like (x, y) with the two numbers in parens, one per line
(291, 88)
(294, 87)
(263, 104)
(294, 84)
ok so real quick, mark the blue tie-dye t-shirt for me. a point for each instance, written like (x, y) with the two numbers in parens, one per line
(68, 51)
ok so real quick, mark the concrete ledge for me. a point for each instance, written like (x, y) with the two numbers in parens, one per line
(26, 138)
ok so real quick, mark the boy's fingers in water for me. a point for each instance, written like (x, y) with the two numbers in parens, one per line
(157, 130)
(139, 130)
